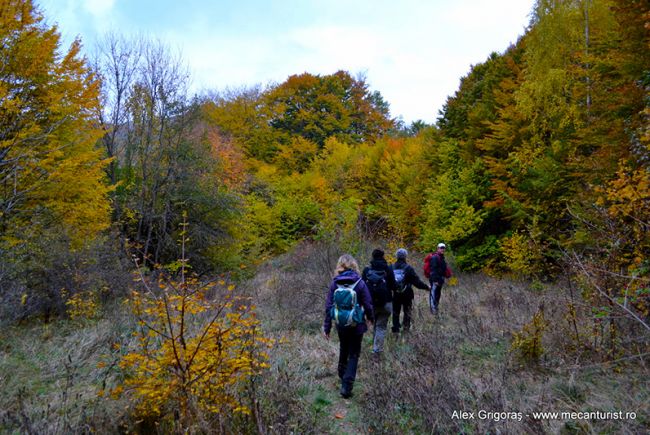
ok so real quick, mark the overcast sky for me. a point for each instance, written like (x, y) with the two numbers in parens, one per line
(412, 51)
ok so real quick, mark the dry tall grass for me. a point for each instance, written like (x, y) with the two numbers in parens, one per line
(51, 376)
(458, 361)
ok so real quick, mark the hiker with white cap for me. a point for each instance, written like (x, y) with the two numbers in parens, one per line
(438, 271)
(405, 279)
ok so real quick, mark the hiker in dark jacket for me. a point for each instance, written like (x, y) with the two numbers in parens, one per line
(438, 267)
(403, 295)
(381, 282)
(347, 272)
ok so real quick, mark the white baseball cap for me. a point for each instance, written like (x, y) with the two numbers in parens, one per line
(442, 245)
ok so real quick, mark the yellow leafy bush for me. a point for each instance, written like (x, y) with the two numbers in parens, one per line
(527, 343)
(197, 346)
(83, 305)
(521, 255)
(192, 353)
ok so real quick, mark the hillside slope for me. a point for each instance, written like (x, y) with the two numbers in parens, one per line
(459, 361)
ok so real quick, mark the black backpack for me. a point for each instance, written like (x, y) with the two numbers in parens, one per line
(376, 282)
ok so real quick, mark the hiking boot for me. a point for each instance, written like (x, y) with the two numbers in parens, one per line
(346, 391)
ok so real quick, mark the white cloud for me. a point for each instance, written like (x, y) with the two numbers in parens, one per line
(414, 52)
(98, 8)
(86, 18)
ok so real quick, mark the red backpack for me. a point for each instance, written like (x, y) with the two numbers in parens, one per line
(427, 265)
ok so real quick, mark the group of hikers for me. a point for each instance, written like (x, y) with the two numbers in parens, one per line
(381, 290)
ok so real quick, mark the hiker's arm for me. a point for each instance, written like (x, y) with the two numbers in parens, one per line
(415, 280)
(327, 324)
(366, 301)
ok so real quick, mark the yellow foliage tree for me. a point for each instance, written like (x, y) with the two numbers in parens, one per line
(451, 210)
(404, 172)
(194, 352)
(522, 256)
(297, 155)
(52, 175)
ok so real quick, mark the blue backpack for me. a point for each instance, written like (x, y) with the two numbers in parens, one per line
(346, 311)
(400, 279)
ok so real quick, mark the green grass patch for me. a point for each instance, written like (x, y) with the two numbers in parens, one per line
(321, 402)
(480, 355)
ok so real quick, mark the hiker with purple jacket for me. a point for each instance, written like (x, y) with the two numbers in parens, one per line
(348, 277)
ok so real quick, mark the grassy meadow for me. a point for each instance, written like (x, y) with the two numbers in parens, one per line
(56, 377)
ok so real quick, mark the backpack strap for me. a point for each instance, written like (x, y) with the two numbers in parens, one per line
(353, 285)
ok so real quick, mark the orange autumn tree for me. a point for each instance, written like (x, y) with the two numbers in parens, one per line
(195, 351)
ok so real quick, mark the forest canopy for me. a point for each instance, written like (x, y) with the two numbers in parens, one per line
(541, 148)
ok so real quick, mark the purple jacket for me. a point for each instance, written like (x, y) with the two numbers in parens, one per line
(363, 298)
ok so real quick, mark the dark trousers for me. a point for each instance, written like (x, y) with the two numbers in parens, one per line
(349, 350)
(398, 304)
(436, 289)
